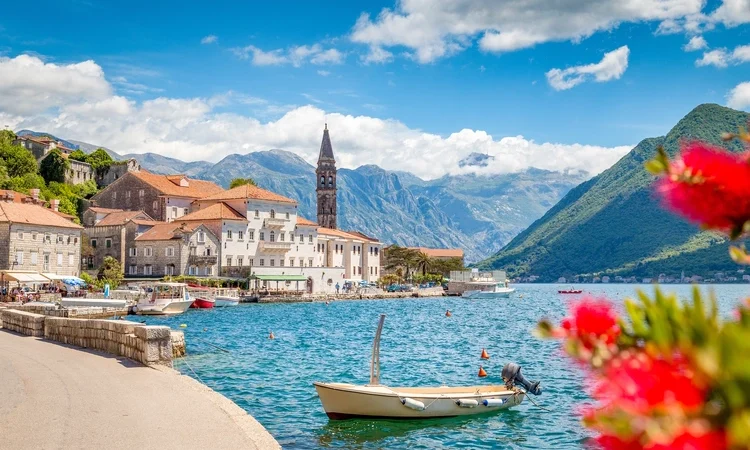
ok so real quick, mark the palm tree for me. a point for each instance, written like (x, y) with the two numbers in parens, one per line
(423, 262)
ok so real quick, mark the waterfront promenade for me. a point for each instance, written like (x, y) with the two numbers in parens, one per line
(55, 396)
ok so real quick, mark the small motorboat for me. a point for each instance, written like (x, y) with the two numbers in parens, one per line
(226, 297)
(166, 299)
(201, 296)
(345, 401)
(493, 290)
(569, 291)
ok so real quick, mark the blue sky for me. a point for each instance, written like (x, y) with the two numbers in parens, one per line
(444, 74)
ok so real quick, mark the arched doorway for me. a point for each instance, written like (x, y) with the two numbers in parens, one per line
(309, 285)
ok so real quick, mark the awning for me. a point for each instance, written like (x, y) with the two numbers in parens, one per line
(54, 276)
(23, 277)
(279, 277)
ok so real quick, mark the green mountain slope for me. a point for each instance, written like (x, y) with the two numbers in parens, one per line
(612, 224)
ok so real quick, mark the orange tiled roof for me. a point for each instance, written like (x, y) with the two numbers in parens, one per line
(249, 191)
(34, 215)
(17, 196)
(301, 221)
(121, 218)
(217, 211)
(344, 234)
(162, 183)
(98, 209)
(440, 252)
(167, 231)
(146, 221)
(64, 215)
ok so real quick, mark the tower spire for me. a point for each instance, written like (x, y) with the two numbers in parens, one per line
(326, 182)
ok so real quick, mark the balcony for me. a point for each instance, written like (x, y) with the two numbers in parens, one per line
(201, 260)
(274, 247)
(274, 223)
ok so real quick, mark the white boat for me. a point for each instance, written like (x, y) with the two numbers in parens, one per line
(101, 302)
(489, 290)
(344, 401)
(165, 299)
(226, 297)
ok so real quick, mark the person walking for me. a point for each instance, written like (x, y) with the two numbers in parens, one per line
(337, 288)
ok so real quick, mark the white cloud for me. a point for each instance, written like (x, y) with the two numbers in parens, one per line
(739, 96)
(323, 73)
(695, 43)
(296, 55)
(434, 29)
(210, 39)
(196, 129)
(732, 12)
(28, 85)
(721, 57)
(377, 55)
(611, 67)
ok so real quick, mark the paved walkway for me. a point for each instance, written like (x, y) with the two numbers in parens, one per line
(54, 396)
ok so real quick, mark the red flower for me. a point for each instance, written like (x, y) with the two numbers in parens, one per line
(708, 185)
(638, 383)
(592, 320)
(691, 440)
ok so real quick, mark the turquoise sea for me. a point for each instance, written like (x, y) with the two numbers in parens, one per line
(272, 379)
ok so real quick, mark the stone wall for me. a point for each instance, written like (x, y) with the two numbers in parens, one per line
(125, 193)
(79, 312)
(23, 322)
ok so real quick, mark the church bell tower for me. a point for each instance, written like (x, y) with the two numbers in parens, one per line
(326, 183)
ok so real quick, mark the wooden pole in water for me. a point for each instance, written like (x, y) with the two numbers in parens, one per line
(375, 361)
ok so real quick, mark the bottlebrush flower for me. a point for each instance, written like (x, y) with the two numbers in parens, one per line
(687, 440)
(591, 321)
(710, 186)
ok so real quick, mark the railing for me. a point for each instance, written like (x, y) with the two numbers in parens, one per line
(467, 276)
(275, 247)
(274, 223)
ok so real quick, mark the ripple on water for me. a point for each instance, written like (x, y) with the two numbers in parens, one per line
(272, 379)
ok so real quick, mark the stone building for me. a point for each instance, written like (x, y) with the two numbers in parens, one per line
(162, 197)
(174, 249)
(116, 170)
(111, 232)
(326, 183)
(36, 238)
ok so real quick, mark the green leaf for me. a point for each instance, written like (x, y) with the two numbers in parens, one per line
(655, 167)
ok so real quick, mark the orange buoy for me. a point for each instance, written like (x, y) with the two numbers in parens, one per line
(482, 372)
(485, 355)
(448, 313)
(271, 336)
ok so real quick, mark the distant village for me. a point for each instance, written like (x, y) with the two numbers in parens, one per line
(717, 277)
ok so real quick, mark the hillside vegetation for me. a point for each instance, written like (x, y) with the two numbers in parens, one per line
(613, 225)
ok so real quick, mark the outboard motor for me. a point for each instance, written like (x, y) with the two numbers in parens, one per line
(512, 376)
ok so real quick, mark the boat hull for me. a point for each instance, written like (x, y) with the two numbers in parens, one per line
(168, 309)
(202, 303)
(504, 293)
(221, 301)
(343, 401)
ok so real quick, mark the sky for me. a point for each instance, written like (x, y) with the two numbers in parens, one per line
(413, 85)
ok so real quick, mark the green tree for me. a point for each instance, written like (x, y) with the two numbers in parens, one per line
(423, 262)
(241, 182)
(110, 273)
(54, 167)
(7, 137)
(400, 258)
(100, 161)
(17, 160)
(78, 155)
(86, 189)
(25, 182)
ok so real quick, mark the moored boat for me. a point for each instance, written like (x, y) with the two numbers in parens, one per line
(226, 297)
(165, 299)
(344, 401)
(489, 290)
(570, 291)
(202, 298)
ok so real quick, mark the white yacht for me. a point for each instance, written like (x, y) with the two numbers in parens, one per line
(166, 299)
(489, 289)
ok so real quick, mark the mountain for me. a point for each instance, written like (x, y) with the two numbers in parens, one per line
(476, 213)
(612, 224)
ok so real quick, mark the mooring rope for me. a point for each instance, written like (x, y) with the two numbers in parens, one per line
(191, 369)
(535, 403)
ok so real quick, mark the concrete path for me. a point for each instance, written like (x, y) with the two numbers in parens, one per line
(54, 396)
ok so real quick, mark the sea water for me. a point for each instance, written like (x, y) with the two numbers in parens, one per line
(229, 350)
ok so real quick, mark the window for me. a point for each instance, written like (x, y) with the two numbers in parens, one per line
(147, 270)
(322, 180)
(48, 238)
(281, 262)
(273, 214)
(141, 193)
(201, 237)
(229, 260)
(262, 262)
(148, 251)
(251, 262)
(330, 180)
(251, 235)
(169, 251)
(209, 270)
(33, 236)
(19, 257)
(229, 234)
(301, 238)
(310, 262)
(257, 213)
(133, 251)
(93, 243)
(281, 237)
(310, 238)
(168, 270)
(376, 251)
(272, 236)
(71, 259)
(155, 205)
(192, 251)
(208, 251)
(192, 270)
(127, 194)
(33, 258)
(273, 262)
(240, 235)
(108, 243)
(59, 260)
(262, 236)
(185, 211)
(291, 262)
(174, 211)
(240, 260)
(376, 270)
(20, 234)
(60, 238)
(132, 269)
(114, 195)
(287, 216)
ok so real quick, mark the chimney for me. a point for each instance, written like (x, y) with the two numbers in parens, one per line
(54, 204)
(8, 196)
(34, 195)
